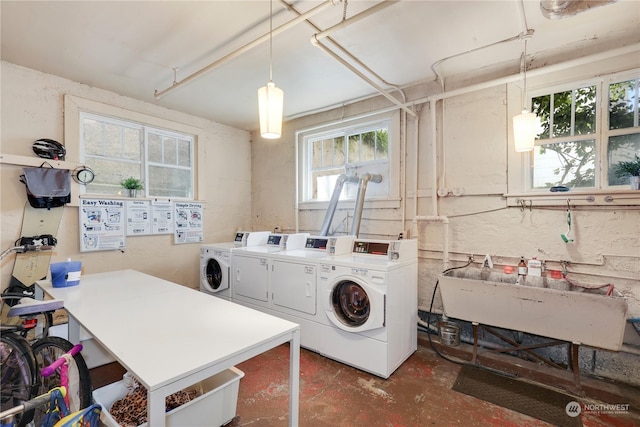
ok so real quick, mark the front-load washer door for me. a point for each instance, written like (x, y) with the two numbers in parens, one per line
(215, 275)
(355, 307)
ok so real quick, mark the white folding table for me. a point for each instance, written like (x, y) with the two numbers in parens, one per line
(169, 336)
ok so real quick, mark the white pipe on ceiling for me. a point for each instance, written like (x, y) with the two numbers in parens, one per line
(315, 40)
(364, 14)
(245, 48)
(376, 86)
(345, 52)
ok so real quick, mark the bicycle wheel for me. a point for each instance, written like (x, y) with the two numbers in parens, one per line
(17, 374)
(47, 351)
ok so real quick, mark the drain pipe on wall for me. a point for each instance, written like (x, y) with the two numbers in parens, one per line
(432, 99)
(435, 217)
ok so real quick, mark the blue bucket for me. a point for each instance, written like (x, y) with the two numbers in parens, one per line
(64, 274)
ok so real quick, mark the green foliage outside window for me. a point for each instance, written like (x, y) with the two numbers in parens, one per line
(570, 118)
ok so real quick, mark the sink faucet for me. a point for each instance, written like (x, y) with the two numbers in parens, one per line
(487, 261)
(564, 265)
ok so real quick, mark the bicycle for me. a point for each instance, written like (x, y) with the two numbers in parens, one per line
(56, 412)
(22, 363)
(24, 353)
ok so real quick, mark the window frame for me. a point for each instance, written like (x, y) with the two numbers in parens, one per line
(358, 124)
(74, 106)
(520, 184)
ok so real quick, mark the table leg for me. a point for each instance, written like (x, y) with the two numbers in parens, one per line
(294, 379)
(73, 328)
(156, 409)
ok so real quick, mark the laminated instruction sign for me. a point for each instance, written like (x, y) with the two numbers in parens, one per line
(138, 217)
(188, 226)
(162, 217)
(105, 223)
(102, 225)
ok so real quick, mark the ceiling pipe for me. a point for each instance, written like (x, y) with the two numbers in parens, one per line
(247, 47)
(315, 40)
(376, 86)
(360, 16)
(345, 52)
(558, 9)
(526, 34)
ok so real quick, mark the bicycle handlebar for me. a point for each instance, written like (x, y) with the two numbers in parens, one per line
(32, 403)
(48, 370)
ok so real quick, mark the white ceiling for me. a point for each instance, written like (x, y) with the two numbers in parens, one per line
(131, 47)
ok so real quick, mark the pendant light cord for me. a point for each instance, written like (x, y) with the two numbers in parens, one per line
(271, 40)
(524, 67)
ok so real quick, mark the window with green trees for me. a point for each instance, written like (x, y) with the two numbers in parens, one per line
(585, 131)
(350, 150)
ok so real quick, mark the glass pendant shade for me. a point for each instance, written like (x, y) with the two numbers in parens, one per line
(525, 127)
(270, 105)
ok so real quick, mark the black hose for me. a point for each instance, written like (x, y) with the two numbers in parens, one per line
(459, 362)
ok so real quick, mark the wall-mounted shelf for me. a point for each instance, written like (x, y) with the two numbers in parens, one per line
(13, 159)
(27, 161)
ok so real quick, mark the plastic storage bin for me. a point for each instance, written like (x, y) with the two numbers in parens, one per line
(216, 406)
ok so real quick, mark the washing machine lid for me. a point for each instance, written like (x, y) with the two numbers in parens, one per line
(219, 246)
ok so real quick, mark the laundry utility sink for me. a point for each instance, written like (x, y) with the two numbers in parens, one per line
(540, 306)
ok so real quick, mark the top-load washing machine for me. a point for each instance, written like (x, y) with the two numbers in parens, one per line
(369, 304)
(250, 266)
(293, 284)
(215, 262)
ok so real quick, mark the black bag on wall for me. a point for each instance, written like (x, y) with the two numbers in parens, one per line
(47, 187)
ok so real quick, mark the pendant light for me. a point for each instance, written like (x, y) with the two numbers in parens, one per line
(270, 98)
(525, 124)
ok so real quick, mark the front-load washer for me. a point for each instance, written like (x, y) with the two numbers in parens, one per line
(215, 262)
(369, 303)
(251, 269)
(293, 284)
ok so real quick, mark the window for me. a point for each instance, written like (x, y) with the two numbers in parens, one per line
(353, 149)
(116, 149)
(585, 131)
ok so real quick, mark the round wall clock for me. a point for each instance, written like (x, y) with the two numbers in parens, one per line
(83, 175)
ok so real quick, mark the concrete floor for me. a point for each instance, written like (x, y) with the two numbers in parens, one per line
(417, 394)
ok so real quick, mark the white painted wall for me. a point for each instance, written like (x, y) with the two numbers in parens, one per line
(474, 154)
(32, 108)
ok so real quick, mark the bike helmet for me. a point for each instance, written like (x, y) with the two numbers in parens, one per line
(49, 149)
